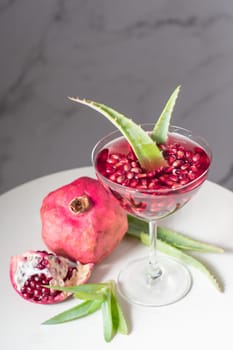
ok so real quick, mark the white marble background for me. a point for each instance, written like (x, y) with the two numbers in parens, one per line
(129, 54)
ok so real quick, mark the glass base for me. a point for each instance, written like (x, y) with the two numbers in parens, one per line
(173, 284)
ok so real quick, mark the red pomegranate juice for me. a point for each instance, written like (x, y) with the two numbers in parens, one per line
(173, 184)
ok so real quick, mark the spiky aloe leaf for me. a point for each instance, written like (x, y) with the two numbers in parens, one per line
(146, 150)
(160, 131)
(176, 239)
(182, 256)
(188, 259)
(186, 243)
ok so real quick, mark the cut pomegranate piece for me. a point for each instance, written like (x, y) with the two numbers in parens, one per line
(33, 270)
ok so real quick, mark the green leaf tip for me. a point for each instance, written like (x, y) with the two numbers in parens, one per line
(81, 310)
(160, 131)
(98, 296)
(146, 150)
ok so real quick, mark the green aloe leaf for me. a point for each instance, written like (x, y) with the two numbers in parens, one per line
(146, 150)
(84, 309)
(184, 258)
(160, 132)
(186, 243)
(137, 226)
(188, 259)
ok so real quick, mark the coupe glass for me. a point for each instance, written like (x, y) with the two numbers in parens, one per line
(154, 280)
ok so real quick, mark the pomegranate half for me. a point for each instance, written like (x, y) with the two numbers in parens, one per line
(33, 270)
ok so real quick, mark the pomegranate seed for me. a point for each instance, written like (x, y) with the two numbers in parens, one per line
(143, 182)
(133, 183)
(173, 178)
(184, 181)
(119, 164)
(118, 172)
(176, 171)
(141, 176)
(130, 176)
(177, 163)
(112, 161)
(199, 150)
(125, 182)
(168, 169)
(113, 177)
(173, 150)
(120, 179)
(136, 170)
(109, 171)
(196, 157)
(126, 167)
(180, 154)
(151, 174)
(115, 156)
(188, 155)
(133, 164)
(194, 169)
(191, 175)
(171, 159)
(184, 166)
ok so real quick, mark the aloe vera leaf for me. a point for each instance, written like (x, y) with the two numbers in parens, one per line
(184, 258)
(146, 150)
(137, 226)
(183, 242)
(160, 131)
(108, 323)
(84, 309)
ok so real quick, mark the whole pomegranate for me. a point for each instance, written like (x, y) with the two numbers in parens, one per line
(31, 271)
(82, 221)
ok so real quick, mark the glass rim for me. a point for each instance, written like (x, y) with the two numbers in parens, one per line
(162, 191)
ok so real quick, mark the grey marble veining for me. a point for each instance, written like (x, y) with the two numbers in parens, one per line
(128, 54)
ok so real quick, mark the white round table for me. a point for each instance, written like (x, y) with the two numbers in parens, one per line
(201, 320)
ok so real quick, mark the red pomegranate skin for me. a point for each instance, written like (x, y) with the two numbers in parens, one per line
(90, 234)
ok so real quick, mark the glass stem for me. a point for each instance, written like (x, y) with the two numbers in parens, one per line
(153, 271)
